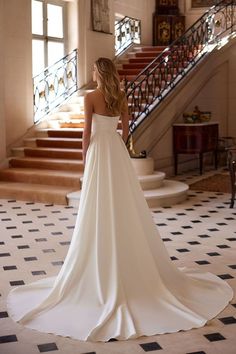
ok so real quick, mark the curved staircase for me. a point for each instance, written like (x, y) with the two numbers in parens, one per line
(49, 168)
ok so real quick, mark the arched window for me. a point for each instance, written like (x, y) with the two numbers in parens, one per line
(48, 33)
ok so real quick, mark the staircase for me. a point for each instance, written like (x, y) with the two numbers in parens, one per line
(48, 168)
(136, 60)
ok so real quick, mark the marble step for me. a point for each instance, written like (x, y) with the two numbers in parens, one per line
(56, 142)
(66, 115)
(171, 192)
(75, 133)
(48, 152)
(152, 48)
(46, 177)
(46, 163)
(35, 192)
(152, 181)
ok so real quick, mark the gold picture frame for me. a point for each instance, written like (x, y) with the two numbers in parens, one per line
(202, 3)
(100, 16)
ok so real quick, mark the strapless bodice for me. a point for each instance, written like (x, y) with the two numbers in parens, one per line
(104, 123)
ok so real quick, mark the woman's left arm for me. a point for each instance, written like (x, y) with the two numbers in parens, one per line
(88, 111)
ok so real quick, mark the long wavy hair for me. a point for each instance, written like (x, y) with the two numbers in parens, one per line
(109, 84)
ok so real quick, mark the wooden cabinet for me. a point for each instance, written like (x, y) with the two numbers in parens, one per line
(168, 24)
(167, 28)
(195, 138)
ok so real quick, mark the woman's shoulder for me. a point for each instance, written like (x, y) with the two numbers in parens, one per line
(92, 95)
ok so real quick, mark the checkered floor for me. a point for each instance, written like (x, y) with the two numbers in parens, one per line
(199, 233)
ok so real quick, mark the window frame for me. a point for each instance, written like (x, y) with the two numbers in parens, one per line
(44, 37)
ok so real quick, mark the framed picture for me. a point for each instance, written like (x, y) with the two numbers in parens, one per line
(202, 3)
(100, 16)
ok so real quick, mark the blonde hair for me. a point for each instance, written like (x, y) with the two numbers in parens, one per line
(110, 85)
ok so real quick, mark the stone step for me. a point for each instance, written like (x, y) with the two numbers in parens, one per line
(171, 192)
(46, 163)
(48, 152)
(60, 133)
(146, 54)
(139, 66)
(58, 124)
(129, 71)
(65, 115)
(46, 177)
(153, 48)
(76, 107)
(140, 60)
(69, 143)
(152, 181)
(66, 133)
(73, 125)
(35, 192)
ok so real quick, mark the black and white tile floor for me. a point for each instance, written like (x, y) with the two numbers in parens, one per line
(199, 233)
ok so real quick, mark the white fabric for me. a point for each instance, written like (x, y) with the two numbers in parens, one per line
(117, 280)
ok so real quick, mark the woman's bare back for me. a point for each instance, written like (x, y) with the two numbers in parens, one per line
(99, 104)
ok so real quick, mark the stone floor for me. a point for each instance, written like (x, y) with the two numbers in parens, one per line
(199, 233)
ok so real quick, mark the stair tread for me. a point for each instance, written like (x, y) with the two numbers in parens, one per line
(47, 159)
(168, 188)
(42, 172)
(61, 129)
(58, 138)
(22, 148)
(53, 149)
(53, 139)
(152, 177)
(17, 186)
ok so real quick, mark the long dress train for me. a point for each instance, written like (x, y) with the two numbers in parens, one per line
(117, 280)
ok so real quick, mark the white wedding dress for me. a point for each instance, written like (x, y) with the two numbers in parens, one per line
(117, 280)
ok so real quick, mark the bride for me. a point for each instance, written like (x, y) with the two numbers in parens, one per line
(117, 280)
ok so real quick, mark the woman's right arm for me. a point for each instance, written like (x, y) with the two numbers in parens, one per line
(88, 111)
(125, 121)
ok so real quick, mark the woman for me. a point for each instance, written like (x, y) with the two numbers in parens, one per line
(117, 280)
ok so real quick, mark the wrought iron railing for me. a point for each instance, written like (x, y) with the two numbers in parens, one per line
(156, 81)
(127, 31)
(54, 85)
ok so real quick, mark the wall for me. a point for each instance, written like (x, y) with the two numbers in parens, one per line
(17, 101)
(139, 9)
(91, 44)
(232, 92)
(2, 110)
(192, 14)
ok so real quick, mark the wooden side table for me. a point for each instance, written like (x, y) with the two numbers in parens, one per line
(196, 138)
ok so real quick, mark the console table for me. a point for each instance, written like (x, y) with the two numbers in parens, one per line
(196, 138)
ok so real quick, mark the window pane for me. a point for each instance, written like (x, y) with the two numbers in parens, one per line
(38, 56)
(55, 21)
(37, 17)
(55, 52)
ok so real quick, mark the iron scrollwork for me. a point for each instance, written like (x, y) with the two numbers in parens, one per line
(54, 85)
(127, 31)
(155, 82)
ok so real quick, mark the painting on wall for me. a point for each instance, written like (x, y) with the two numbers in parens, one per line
(203, 3)
(100, 16)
